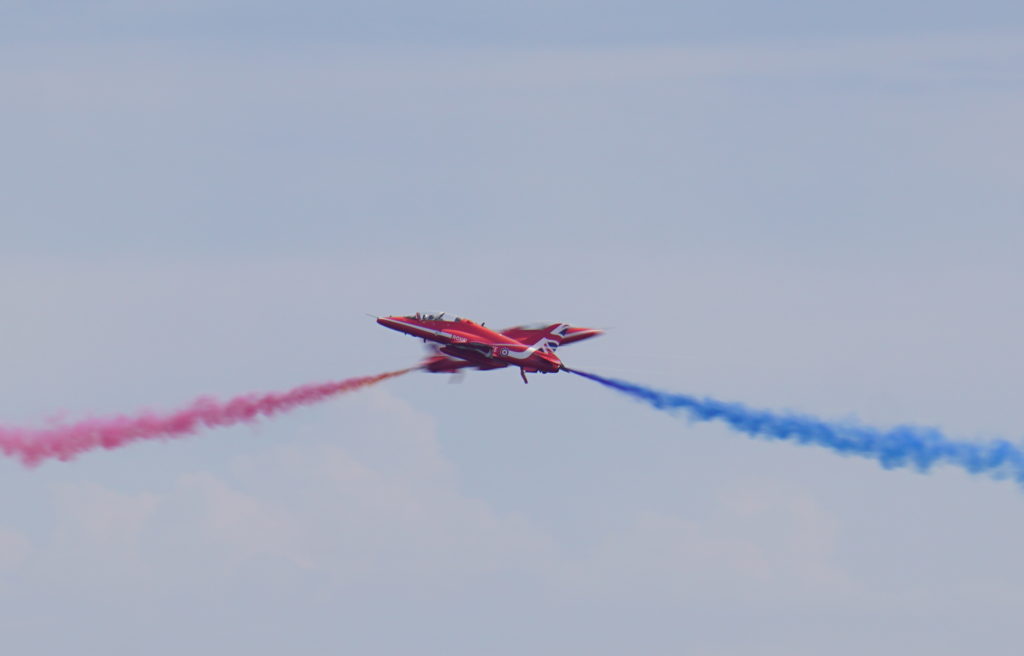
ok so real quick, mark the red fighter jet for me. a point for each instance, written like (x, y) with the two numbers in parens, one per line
(459, 343)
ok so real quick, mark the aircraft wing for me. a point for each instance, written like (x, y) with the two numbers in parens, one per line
(471, 347)
(560, 334)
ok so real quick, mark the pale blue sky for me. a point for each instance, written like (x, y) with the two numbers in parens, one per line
(809, 206)
(400, 23)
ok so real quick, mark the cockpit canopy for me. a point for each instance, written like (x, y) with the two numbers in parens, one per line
(435, 316)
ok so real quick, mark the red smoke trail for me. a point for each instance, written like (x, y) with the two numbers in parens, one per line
(66, 442)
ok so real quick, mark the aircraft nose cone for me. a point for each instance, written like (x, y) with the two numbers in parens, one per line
(390, 322)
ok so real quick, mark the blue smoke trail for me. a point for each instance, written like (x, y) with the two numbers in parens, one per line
(902, 446)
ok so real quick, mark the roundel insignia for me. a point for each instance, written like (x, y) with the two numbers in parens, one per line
(503, 352)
